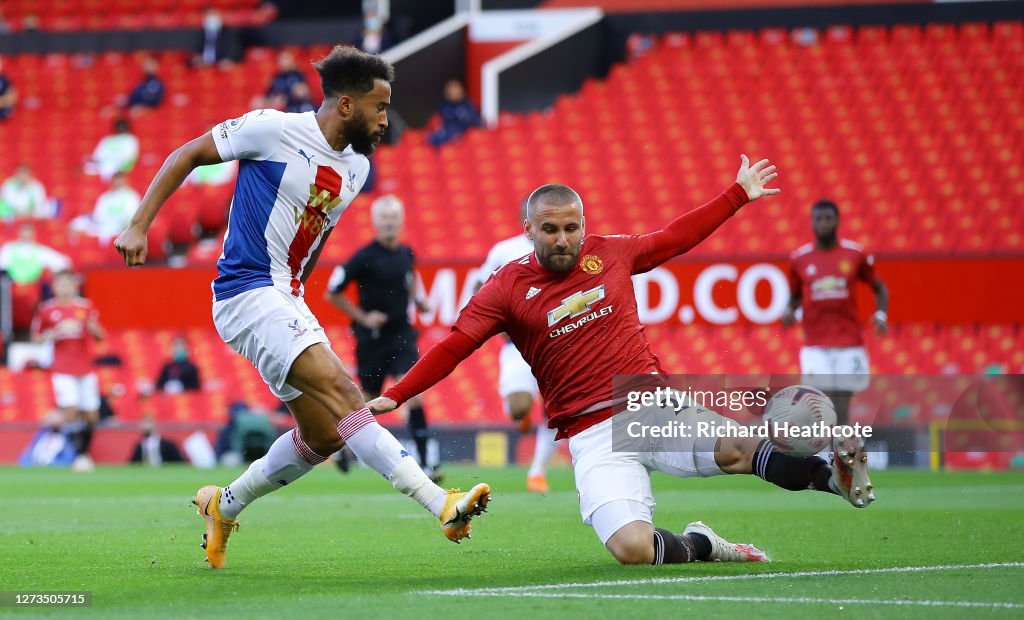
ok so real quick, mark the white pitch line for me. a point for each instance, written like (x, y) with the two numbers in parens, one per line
(706, 578)
(768, 599)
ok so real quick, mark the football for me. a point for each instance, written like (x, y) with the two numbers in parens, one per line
(797, 417)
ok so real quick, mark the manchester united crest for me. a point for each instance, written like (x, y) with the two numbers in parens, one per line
(591, 264)
(845, 267)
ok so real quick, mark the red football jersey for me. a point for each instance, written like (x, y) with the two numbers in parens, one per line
(826, 279)
(72, 346)
(576, 330)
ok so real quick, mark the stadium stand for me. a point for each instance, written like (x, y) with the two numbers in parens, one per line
(637, 164)
(75, 15)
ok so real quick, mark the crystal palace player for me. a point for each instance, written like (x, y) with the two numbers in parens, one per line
(821, 277)
(570, 308)
(298, 173)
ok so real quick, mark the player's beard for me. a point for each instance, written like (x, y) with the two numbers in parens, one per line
(560, 262)
(358, 133)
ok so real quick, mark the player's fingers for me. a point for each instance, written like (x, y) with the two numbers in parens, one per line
(761, 164)
(768, 179)
(771, 191)
(744, 162)
(768, 170)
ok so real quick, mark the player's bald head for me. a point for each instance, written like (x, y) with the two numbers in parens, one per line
(554, 195)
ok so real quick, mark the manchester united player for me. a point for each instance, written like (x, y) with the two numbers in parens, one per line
(71, 322)
(298, 173)
(822, 276)
(569, 307)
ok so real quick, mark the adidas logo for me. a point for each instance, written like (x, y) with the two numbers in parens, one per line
(532, 292)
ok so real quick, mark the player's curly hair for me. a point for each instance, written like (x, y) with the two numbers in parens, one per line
(350, 71)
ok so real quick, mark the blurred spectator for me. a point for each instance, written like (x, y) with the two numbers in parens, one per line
(178, 374)
(287, 77)
(298, 100)
(152, 449)
(214, 174)
(638, 45)
(30, 22)
(246, 437)
(115, 153)
(50, 446)
(457, 115)
(149, 93)
(25, 262)
(23, 195)
(114, 209)
(8, 94)
(375, 36)
(5, 26)
(212, 50)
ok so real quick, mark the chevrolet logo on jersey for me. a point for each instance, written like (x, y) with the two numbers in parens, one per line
(575, 305)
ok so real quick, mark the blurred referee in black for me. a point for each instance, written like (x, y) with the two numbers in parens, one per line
(385, 341)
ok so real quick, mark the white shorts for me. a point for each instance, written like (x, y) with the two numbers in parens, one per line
(270, 328)
(616, 482)
(835, 369)
(74, 391)
(514, 374)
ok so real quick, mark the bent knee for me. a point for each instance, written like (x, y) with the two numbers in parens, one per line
(519, 405)
(633, 544)
(633, 552)
(324, 443)
(734, 455)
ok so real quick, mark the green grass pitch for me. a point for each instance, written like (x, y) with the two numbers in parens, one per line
(350, 547)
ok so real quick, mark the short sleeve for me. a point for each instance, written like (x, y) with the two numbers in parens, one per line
(339, 280)
(484, 315)
(255, 135)
(867, 269)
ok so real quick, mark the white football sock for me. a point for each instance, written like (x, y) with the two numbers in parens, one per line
(378, 448)
(543, 451)
(288, 459)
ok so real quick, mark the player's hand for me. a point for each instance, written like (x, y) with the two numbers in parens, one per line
(132, 246)
(788, 317)
(754, 178)
(381, 404)
(374, 319)
(881, 323)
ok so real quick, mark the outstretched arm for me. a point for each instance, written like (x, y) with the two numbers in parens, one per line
(691, 228)
(438, 363)
(131, 243)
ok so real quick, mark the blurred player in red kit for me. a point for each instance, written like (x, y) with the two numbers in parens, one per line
(570, 309)
(70, 322)
(821, 277)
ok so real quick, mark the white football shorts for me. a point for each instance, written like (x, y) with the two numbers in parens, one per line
(81, 392)
(835, 369)
(618, 484)
(270, 328)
